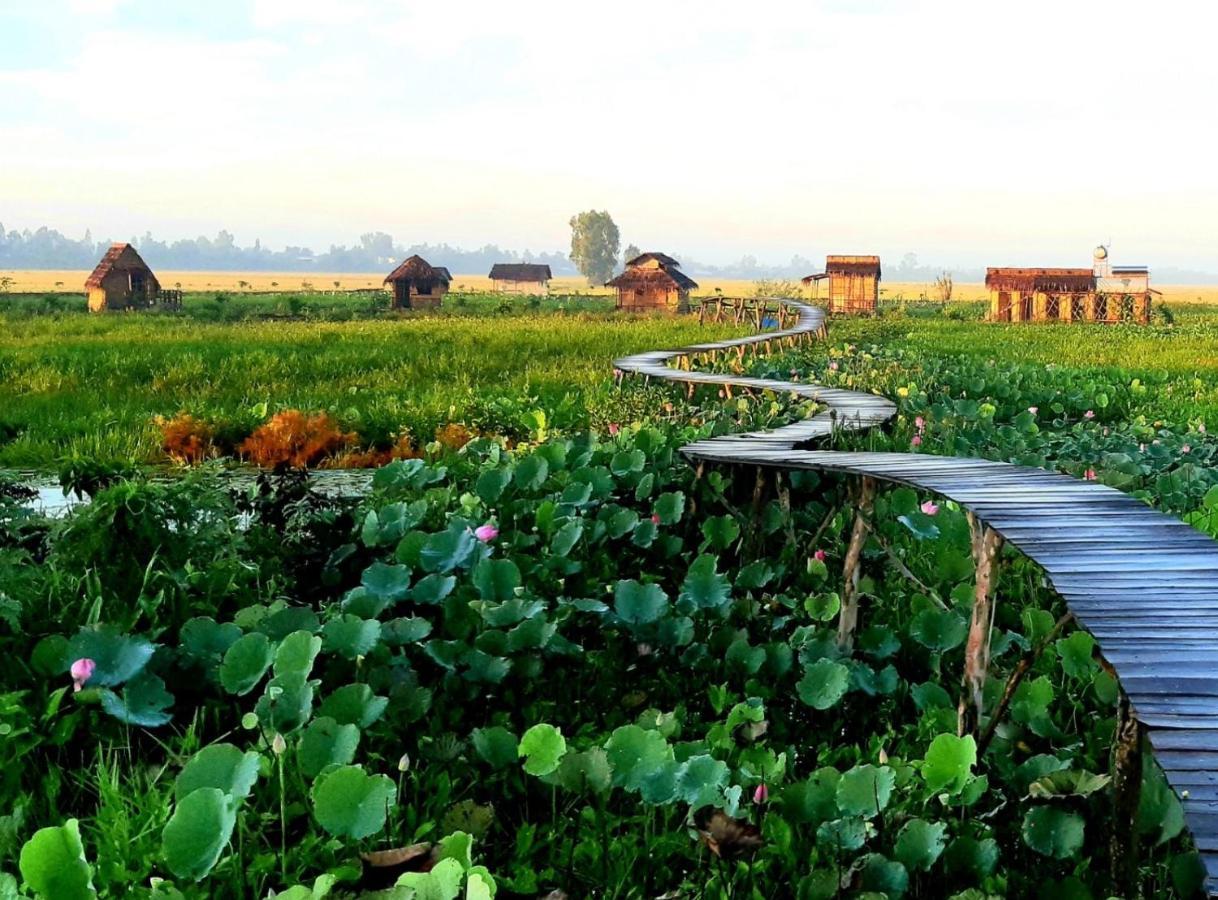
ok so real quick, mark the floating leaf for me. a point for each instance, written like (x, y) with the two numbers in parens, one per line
(296, 654)
(453, 548)
(634, 753)
(353, 704)
(206, 640)
(541, 747)
(703, 586)
(118, 657)
(496, 745)
(1053, 832)
(669, 507)
(389, 583)
(53, 863)
(496, 579)
(350, 803)
(431, 589)
(220, 766)
(939, 629)
(1075, 653)
(865, 790)
(639, 604)
(325, 743)
(884, 876)
(949, 763)
(824, 684)
(245, 663)
(720, 531)
(351, 636)
(1068, 783)
(197, 832)
(287, 703)
(141, 701)
(920, 843)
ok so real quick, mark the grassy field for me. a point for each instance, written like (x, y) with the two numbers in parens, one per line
(80, 385)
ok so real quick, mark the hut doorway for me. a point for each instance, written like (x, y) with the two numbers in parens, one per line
(1004, 306)
(1025, 307)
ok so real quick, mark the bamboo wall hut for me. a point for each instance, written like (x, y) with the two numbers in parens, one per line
(1102, 293)
(520, 278)
(122, 280)
(416, 284)
(854, 284)
(653, 281)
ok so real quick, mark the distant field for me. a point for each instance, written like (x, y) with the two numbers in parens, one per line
(72, 281)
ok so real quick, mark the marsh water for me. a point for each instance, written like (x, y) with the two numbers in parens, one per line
(51, 499)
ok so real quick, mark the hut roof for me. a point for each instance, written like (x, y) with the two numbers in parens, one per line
(1130, 270)
(662, 258)
(520, 272)
(855, 265)
(1017, 279)
(808, 279)
(119, 256)
(418, 269)
(667, 276)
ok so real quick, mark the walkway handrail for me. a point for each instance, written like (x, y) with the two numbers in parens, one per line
(1144, 584)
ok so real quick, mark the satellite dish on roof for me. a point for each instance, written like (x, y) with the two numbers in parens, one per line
(1101, 252)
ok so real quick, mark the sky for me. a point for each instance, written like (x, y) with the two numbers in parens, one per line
(970, 133)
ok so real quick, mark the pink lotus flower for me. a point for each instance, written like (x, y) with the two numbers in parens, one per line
(931, 508)
(486, 533)
(920, 423)
(1089, 475)
(917, 441)
(1089, 414)
(1186, 449)
(614, 428)
(762, 794)
(819, 556)
(1033, 409)
(1201, 428)
(81, 671)
(655, 519)
(618, 373)
(833, 366)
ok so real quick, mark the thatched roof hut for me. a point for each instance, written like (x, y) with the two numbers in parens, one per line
(523, 278)
(653, 281)
(1102, 293)
(122, 280)
(416, 284)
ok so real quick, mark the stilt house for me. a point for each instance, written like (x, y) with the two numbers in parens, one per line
(653, 281)
(854, 284)
(1102, 293)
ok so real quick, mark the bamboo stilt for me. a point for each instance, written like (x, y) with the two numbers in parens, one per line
(987, 544)
(848, 617)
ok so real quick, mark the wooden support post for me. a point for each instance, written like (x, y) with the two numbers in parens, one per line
(1126, 794)
(987, 544)
(848, 618)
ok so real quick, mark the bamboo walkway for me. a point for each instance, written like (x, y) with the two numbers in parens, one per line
(1145, 585)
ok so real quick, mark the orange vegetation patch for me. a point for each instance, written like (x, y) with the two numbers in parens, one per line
(296, 439)
(186, 439)
(372, 459)
(453, 436)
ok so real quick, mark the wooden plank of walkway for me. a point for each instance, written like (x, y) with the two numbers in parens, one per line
(1144, 584)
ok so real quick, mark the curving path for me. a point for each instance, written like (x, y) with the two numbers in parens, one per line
(1143, 583)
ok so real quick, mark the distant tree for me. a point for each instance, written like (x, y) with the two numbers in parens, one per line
(943, 287)
(595, 242)
(6, 283)
(631, 251)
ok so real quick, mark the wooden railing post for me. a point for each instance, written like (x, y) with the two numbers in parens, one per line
(987, 544)
(848, 617)
(1126, 795)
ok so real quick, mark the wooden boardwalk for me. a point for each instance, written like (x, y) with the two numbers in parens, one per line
(1144, 584)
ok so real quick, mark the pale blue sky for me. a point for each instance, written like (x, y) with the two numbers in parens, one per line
(969, 132)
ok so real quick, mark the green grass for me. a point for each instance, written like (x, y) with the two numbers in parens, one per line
(74, 384)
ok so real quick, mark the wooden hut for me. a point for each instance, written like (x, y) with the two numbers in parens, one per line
(122, 280)
(520, 278)
(416, 284)
(1099, 294)
(854, 284)
(653, 281)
